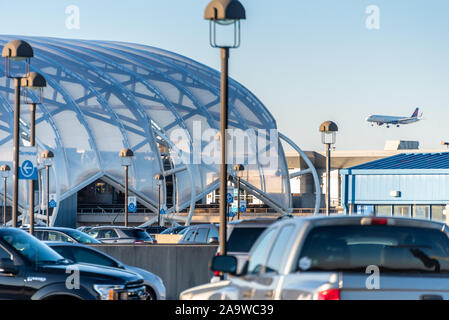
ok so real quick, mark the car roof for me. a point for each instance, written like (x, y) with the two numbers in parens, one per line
(118, 227)
(253, 221)
(52, 228)
(356, 219)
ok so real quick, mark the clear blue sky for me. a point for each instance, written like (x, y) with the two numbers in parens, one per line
(308, 61)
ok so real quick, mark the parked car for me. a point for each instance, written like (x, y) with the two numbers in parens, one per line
(30, 270)
(118, 234)
(200, 233)
(84, 254)
(62, 234)
(241, 235)
(345, 257)
(154, 229)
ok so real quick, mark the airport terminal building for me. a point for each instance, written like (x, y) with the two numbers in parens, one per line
(407, 184)
(103, 96)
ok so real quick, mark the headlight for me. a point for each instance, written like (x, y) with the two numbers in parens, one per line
(187, 296)
(107, 291)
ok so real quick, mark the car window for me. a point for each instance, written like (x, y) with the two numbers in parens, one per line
(189, 235)
(107, 233)
(41, 235)
(278, 250)
(259, 254)
(58, 236)
(5, 254)
(242, 239)
(64, 251)
(89, 256)
(201, 235)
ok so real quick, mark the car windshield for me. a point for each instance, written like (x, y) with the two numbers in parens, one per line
(31, 248)
(137, 233)
(81, 237)
(391, 248)
(242, 239)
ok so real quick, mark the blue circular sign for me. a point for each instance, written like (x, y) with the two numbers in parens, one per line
(27, 168)
(229, 198)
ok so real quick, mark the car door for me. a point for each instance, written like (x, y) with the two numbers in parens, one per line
(11, 286)
(246, 284)
(271, 276)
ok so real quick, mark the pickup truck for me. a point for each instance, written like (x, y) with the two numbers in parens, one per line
(30, 270)
(338, 258)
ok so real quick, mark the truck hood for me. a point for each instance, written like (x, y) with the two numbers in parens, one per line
(101, 273)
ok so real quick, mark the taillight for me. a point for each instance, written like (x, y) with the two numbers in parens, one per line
(138, 241)
(376, 221)
(217, 273)
(330, 294)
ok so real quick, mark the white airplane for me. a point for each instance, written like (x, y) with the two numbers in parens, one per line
(391, 120)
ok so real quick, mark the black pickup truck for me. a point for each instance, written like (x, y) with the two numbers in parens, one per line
(30, 270)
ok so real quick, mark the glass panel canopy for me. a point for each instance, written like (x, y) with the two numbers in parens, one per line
(103, 96)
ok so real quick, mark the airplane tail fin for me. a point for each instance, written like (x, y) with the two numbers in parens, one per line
(415, 113)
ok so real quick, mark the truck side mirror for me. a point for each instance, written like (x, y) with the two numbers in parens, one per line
(7, 266)
(225, 264)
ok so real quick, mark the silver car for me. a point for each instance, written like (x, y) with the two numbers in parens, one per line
(120, 234)
(341, 257)
(83, 254)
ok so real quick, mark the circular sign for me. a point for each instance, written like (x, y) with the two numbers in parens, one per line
(27, 168)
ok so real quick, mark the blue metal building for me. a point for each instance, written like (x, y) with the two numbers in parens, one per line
(408, 184)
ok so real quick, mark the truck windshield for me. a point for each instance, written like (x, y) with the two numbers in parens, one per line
(30, 248)
(391, 248)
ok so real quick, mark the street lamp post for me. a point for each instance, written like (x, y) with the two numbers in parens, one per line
(5, 170)
(126, 156)
(33, 81)
(238, 168)
(159, 178)
(16, 51)
(328, 131)
(224, 13)
(47, 156)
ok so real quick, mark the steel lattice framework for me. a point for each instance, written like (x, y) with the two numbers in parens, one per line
(104, 96)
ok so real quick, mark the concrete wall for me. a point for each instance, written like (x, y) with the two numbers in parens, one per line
(180, 266)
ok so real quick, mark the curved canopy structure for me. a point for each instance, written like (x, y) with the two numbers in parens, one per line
(104, 96)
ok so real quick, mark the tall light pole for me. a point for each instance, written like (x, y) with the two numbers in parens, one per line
(5, 170)
(33, 81)
(47, 157)
(224, 13)
(238, 168)
(126, 156)
(16, 51)
(328, 131)
(159, 179)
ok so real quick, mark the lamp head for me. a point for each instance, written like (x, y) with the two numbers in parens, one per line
(47, 157)
(224, 13)
(5, 170)
(17, 51)
(328, 130)
(126, 155)
(33, 82)
(159, 178)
